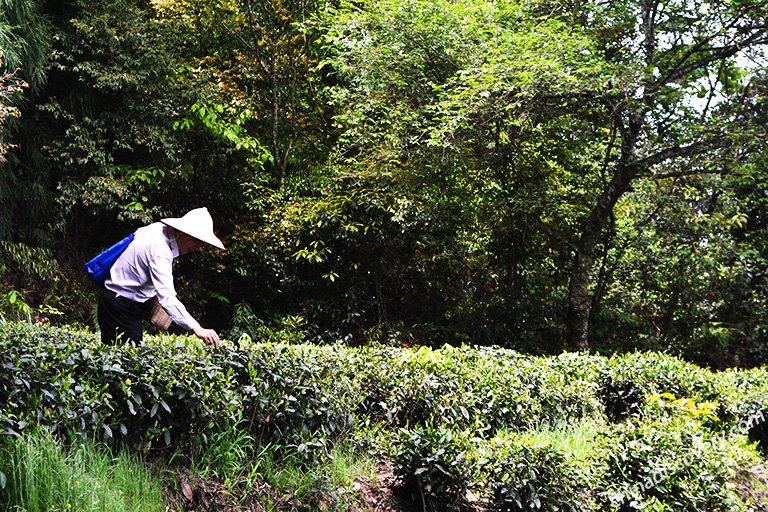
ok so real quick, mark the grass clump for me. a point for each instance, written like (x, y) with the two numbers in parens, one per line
(41, 474)
(236, 470)
(576, 440)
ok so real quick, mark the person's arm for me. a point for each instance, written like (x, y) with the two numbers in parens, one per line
(162, 279)
(207, 335)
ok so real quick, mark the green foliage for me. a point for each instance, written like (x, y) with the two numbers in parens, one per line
(25, 32)
(493, 88)
(520, 473)
(522, 432)
(10, 86)
(76, 386)
(227, 133)
(621, 399)
(38, 288)
(414, 172)
(702, 411)
(669, 465)
(656, 373)
(432, 463)
(18, 309)
(21, 259)
(99, 106)
(712, 265)
(37, 472)
(366, 255)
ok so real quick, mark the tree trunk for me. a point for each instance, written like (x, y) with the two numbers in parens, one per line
(579, 303)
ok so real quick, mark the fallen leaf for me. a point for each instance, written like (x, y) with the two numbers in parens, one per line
(186, 490)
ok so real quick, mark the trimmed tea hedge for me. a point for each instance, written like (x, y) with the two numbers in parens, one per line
(453, 422)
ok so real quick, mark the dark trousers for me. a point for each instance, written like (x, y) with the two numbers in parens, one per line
(119, 318)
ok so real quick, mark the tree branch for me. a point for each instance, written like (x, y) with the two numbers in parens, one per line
(670, 153)
(682, 174)
(757, 36)
(556, 235)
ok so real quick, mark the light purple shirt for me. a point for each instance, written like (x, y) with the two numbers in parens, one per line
(145, 270)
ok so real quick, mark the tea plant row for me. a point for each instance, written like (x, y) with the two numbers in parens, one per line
(455, 424)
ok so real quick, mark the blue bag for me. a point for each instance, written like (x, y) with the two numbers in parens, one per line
(98, 268)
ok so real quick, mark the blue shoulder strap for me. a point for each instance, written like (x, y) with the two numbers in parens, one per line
(98, 268)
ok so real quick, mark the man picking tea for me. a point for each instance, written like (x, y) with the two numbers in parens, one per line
(144, 271)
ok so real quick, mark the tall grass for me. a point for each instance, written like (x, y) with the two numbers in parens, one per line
(348, 464)
(576, 440)
(281, 475)
(42, 475)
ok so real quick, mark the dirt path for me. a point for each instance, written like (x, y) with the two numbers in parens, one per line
(193, 494)
(382, 494)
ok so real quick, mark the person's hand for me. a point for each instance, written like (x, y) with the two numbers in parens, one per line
(207, 335)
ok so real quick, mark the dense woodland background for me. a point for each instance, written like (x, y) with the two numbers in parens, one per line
(539, 175)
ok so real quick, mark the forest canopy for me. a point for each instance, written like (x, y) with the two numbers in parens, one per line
(537, 175)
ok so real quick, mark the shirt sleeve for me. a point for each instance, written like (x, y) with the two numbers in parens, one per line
(162, 278)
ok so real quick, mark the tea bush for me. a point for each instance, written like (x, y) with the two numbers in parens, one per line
(68, 381)
(453, 422)
(483, 388)
(741, 396)
(669, 464)
(520, 474)
(657, 373)
(432, 464)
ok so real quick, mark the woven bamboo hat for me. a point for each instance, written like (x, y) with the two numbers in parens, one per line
(196, 223)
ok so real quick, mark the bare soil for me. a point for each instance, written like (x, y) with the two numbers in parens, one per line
(193, 494)
(752, 484)
(382, 494)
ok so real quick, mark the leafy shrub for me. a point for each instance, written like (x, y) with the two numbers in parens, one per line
(164, 392)
(299, 392)
(483, 388)
(441, 415)
(666, 406)
(656, 373)
(141, 395)
(431, 463)
(753, 421)
(522, 474)
(621, 400)
(741, 395)
(668, 464)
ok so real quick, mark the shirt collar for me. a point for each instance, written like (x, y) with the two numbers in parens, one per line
(170, 237)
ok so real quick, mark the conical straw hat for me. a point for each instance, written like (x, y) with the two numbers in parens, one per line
(196, 223)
